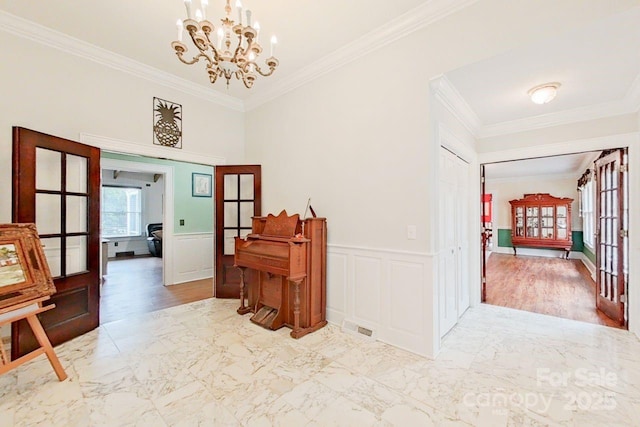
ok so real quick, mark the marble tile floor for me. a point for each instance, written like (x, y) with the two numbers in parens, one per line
(202, 364)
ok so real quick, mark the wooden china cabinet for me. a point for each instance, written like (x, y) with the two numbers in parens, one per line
(541, 221)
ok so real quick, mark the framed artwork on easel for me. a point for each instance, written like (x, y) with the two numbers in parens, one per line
(24, 272)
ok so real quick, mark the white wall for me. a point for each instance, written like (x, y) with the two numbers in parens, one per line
(359, 140)
(51, 91)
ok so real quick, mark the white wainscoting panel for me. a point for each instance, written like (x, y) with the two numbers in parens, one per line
(385, 291)
(367, 277)
(336, 287)
(192, 257)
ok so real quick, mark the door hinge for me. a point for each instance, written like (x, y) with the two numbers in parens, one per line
(482, 179)
(624, 233)
(624, 168)
(623, 299)
(484, 280)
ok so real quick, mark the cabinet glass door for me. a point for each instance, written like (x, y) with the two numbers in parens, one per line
(562, 222)
(519, 219)
(547, 222)
(533, 222)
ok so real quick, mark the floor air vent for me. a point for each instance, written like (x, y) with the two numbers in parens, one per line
(124, 254)
(359, 330)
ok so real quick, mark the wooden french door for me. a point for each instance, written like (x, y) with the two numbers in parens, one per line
(484, 238)
(238, 199)
(56, 185)
(612, 213)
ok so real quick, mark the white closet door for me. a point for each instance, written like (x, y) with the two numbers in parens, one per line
(462, 234)
(447, 242)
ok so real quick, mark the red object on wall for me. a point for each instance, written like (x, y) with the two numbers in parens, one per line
(486, 211)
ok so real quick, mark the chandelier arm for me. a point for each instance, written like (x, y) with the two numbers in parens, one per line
(193, 60)
(262, 73)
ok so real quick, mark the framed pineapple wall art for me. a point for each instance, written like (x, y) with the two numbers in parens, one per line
(167, 123)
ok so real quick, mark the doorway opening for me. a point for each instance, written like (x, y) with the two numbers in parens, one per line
(559, 232)
(138, 239)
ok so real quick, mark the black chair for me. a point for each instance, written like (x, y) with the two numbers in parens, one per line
(154, 241)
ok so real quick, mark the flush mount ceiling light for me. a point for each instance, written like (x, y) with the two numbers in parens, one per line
(544, 93)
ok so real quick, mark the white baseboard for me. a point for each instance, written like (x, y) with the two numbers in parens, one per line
(587, 263)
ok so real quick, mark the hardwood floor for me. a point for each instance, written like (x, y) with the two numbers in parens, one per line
(553, 286)
(134, 286)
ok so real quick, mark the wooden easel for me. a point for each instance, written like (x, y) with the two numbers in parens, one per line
(29, 310)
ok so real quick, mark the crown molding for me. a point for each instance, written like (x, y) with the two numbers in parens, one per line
(581, 114)
(451, 99)
(566, 147)
(415, 19)
(35, 32)
(156, 151)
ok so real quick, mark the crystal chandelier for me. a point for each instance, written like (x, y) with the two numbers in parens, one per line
(229, 50)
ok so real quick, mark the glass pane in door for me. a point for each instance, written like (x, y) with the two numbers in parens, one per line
(76, 261)
(246, 186)
(53, 252)
(229, 241)
(246, 213)
(76, 174)
(48, 213)
(231, 187)
(230, 214)
(48, 169)
(77, 214)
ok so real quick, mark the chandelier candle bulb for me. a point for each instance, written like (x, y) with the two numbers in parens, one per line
(274, 42)
(220, 37)
(257, 28)
(204, 4)
(239, 7)
(198, 15)
(187, 5)
(180, 30)
(248, 18)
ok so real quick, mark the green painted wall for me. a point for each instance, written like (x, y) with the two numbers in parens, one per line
(578, 241)
(504, 239)
(197, 212)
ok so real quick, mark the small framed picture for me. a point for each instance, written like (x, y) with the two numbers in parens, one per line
(24, 272)
(200, 185)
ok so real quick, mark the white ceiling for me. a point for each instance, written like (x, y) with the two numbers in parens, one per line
(144, 29)
(596, 65)
(571, 165)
